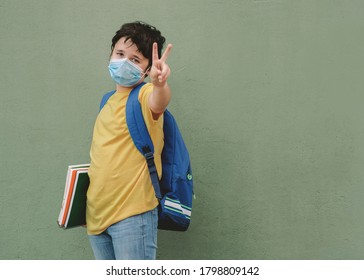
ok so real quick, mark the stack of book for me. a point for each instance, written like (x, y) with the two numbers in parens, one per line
(73, 210)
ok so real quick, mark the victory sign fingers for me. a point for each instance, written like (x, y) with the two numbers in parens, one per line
(160, 70)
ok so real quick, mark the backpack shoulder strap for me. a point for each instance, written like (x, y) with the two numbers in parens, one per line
(105, 98)
(136, 124)
(140, 135)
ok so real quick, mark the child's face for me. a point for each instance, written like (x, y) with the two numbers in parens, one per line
(130, 51)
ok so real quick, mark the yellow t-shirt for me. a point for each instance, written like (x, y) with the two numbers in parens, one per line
(120, 185)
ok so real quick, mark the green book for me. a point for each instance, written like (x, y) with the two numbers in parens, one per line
(73, 210)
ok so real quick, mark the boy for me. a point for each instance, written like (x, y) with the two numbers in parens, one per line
(122, 215)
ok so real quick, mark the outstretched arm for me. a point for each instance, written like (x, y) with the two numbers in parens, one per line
(159, 74)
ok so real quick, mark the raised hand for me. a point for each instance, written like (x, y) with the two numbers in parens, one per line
(160, 70)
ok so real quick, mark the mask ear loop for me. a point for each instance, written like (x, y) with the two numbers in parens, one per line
(145, 72)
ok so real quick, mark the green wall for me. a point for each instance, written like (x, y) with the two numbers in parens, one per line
(268, 95)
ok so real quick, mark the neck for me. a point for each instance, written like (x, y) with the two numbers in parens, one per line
(122, 88)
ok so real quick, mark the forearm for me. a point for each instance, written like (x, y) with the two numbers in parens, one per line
(159, 98)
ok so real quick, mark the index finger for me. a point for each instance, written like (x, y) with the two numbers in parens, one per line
(155, 56)
(166, 52)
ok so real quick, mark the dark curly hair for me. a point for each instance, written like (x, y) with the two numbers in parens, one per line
(142, 35)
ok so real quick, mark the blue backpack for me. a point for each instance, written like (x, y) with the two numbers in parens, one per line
(175, 189)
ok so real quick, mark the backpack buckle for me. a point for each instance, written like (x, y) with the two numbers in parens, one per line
(149, 156)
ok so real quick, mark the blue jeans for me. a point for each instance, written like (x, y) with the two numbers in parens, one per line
(134, 238)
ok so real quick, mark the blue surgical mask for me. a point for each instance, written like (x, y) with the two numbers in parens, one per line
(124, 72)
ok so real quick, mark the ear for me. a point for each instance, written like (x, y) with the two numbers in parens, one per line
(147, 71)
